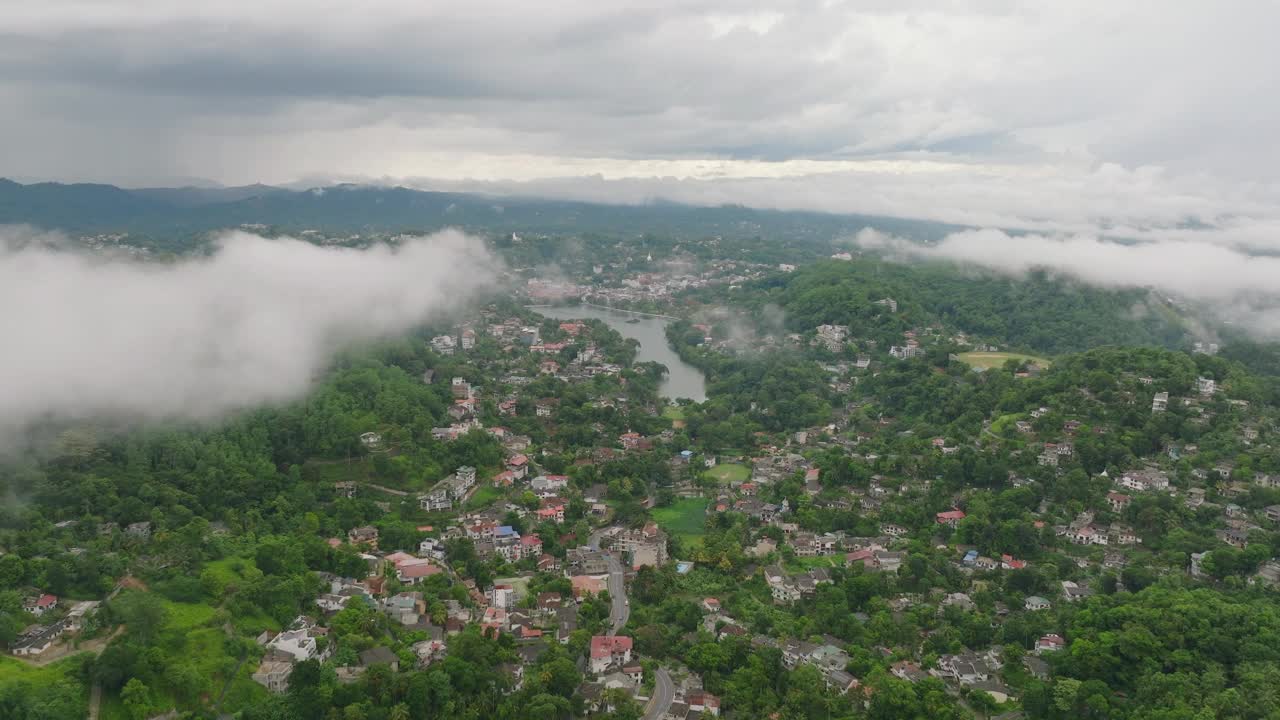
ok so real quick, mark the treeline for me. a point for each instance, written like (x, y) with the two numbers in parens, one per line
(1037, 312)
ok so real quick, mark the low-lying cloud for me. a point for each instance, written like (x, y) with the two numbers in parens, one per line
(1239, 285)
(88, 337)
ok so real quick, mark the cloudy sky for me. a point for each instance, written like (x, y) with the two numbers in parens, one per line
(1041, 113)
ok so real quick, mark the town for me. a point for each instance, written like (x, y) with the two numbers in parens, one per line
(877, 510)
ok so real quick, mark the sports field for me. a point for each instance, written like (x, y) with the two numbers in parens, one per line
(988, 360)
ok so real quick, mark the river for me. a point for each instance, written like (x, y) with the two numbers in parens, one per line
(682, 381)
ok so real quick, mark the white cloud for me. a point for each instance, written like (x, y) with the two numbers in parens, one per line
(1239, 286)
(121, 339)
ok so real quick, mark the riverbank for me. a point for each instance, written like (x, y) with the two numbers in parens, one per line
(682, 380)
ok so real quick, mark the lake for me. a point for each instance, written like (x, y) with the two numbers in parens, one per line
(682, 381)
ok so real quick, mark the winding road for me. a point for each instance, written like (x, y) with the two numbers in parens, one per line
(619, 609)
(664, 693)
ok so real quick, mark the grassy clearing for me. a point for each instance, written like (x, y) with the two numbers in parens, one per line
(230, 571)
(673, 412)
(729, 472)
(1000, 424)
(685, 519)
(341, 471)
(484, 496)
(519, 584)
(14, 671)
(805, 563)
(187, 616)
(989, 360)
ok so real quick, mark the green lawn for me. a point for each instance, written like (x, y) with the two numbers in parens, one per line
(187, 616)
(230, 570)
(13, 671)
(988, 360)
(673, 412)
(805, 563)
(685, 519)
(729, 472)
(485, 495)
(999, 425)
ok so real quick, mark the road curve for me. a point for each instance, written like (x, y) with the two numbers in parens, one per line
(664, 693)
(619, 610)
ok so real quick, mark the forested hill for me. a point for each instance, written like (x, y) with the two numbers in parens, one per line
(106, 208)
(1038, 313)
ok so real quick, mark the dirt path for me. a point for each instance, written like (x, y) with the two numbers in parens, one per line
(387, 490)
(95, 701)
(64, 650)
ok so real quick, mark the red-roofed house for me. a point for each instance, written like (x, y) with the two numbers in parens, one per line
(950, 517)
(711, 605)
(584, 585)
(1117, 501)
(43, 604)
(398, 557)
(412, 573)
(865, 556)
(1050, 643)
(553, 513)
(1009, 562)
(530, 546)
(703, 702)
(495, 619)
(518, 466)
(609, 650)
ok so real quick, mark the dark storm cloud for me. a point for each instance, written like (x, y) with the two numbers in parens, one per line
(1005, 108)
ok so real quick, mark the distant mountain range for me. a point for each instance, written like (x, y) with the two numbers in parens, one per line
(91, 208)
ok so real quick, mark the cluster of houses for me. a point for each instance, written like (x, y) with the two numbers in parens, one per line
(449, 491)
(788, 588)
(36, 640)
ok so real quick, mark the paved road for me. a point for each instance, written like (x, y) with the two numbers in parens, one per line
(664, 692)
(619, 610)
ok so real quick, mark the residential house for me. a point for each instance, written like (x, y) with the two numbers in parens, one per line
(518, 466)
(703, 702)
(608, 651)
(1118, 501)
(380, 656)
(1072, 592)
(1035, 602)
(363, 535)
(586, 585)
(585, 561)
(37, 639)
(40, 604)
(1160, 402)
(274, 675)
(1049, 643)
